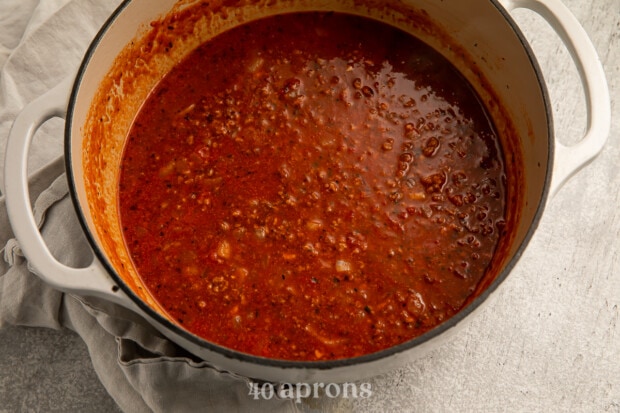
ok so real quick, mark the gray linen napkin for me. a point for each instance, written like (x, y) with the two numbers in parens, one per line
(140, 369)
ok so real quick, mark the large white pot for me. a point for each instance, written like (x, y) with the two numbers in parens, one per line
(478, 36)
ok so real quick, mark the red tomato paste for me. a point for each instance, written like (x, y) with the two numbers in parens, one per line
(312, 186)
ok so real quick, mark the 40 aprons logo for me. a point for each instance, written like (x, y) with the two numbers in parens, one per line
(299, 391)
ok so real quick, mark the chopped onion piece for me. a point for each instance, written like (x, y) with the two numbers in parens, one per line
(314, 224)
(223, 249)
(343, 266)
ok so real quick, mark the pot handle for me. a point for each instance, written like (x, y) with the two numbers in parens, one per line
(570, 159)
(90, 281)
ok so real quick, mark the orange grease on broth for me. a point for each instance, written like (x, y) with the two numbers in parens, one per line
(312, 197)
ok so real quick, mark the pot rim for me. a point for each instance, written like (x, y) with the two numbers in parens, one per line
(295, 364)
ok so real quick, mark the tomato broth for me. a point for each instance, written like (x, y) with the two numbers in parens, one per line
(312, 186)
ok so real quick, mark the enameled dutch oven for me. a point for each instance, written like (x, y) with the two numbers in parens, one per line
(129, 55)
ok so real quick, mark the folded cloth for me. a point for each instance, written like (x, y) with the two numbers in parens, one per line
(141, 369)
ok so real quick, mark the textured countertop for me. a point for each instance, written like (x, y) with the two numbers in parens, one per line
(549, 341)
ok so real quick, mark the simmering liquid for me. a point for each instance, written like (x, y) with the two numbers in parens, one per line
(312, 186)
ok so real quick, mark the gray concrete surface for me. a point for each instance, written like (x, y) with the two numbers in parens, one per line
(43, 370)
(550, 341)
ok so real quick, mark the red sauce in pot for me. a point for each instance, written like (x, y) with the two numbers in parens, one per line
(312, 186)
